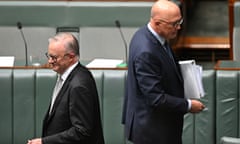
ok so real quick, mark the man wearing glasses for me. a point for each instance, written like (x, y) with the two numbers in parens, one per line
(73, 116)
(154, 104)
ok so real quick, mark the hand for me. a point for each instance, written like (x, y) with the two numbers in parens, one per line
(35, 141)
(196, 107)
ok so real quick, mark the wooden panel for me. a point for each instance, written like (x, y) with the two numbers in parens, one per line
(203, 43)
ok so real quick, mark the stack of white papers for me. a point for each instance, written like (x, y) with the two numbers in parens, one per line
(192, 75)
(104, 63)
(7, 61)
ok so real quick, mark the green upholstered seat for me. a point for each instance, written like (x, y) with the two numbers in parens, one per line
(227, 100)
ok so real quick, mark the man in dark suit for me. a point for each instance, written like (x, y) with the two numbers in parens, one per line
(154, 104)
(74, 114)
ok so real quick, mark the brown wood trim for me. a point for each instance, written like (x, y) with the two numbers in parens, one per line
(47, 67)
(227, 69)
(203, 42)
(216, 67)
(118, 68)
(25, 67)
(230, 15)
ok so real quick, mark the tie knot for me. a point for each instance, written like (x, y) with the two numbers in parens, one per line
(167, 49)
(166, 44)
(59, 79)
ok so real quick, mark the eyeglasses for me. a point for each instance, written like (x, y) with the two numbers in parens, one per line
(54, 57)
(173, 24)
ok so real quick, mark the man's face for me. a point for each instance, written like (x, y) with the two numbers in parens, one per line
(57, 57)
(169, 28)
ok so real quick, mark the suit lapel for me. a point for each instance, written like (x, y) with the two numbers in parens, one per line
(169, 60)
(59, 97)
(172, 61)
(62, 92)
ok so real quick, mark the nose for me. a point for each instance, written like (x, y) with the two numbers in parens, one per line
(179, 26)
(50, 60)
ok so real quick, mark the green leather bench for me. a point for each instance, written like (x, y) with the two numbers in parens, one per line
(200, 128)
(227, 104)
(25, 96)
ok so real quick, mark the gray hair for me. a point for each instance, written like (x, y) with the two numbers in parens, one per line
(69, 40)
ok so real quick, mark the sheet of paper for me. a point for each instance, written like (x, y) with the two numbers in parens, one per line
(7, 61)
(104, 63)
(192, 75)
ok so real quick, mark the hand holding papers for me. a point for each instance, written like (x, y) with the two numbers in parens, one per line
(192, 75)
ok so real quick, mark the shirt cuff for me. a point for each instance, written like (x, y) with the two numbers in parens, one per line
(189, 104)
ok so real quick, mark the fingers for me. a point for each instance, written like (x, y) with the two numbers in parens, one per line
(196, 106)
(29, 142)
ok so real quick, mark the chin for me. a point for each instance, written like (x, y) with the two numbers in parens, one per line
(54, 68)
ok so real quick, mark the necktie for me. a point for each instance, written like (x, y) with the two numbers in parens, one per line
(167, 48)
(56, 90)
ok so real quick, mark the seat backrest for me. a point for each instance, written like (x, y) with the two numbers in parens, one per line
(6, 106)
(114, 87)
(227, 104)
(200, 128)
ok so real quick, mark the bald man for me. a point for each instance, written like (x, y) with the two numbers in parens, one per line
(154, 104)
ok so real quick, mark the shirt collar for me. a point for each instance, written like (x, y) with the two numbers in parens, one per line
(157, 36)
(68, 71)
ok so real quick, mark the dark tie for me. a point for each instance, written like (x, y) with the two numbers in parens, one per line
(167, 48)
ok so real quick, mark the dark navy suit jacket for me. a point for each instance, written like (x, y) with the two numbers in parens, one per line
(154, 103)
(75, 117)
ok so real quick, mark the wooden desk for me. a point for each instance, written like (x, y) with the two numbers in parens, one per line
(217, 47)
(195, 42)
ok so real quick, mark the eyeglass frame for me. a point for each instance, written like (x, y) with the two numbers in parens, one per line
(174, 24)
(54, 57)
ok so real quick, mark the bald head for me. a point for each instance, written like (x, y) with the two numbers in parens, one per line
(166, 19)
(164, 9)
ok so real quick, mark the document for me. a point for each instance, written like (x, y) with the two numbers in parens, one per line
(7, 61)
(192, 75)
(104, 63)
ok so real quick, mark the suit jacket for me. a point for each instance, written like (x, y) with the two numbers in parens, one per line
(75, 116)
(154, 103)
